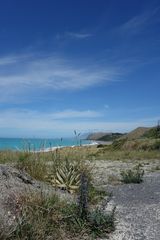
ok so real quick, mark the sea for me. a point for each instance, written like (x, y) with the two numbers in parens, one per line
(39, 144)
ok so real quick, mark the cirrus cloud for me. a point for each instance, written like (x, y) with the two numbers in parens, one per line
(22, 75)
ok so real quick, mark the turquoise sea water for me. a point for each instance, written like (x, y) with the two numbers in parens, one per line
(37, 143)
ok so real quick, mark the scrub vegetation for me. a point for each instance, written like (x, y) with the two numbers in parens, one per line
(69, 169)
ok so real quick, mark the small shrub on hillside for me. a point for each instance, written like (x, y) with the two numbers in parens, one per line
(153, 132)
(100, 146)
(133, 176)
(117, 144)
(155, 146)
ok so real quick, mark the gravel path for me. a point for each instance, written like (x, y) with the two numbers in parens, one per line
(137, 212)
(137, 209)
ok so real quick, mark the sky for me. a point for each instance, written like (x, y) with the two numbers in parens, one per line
(84, 65)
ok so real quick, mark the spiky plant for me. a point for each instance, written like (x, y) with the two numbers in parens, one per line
(66, 176)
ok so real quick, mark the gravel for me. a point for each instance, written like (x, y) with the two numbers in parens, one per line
(137, 209)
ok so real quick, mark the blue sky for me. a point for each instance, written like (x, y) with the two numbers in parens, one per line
(84, 65)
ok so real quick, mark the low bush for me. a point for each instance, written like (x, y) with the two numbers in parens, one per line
(156, 145)
(95, 195)
(153, 132)
(133, 175)
(100, 223)
(117, 144)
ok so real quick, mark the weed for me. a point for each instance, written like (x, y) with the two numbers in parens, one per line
(117, 144)
(157, 168)
(133, 175)
(41, 217)
(101, 223)
(113, 179)
(95, 195)
(156, 145)
(38, 218)
(32, 164)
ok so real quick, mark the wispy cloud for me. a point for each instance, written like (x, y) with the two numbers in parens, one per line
(38, 75)
(27, 123)
(60, 115)
(137, 23)
(74, 35)
(78, 35)
(12, 59)
(28, 120)
(71, 114)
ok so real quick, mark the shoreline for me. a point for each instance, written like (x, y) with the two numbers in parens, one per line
(51, 149)
(54, 148)
(93, 143)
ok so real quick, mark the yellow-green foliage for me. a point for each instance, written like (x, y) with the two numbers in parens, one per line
(141, 145)
(66, 176)
(8, 156)
(33, 164)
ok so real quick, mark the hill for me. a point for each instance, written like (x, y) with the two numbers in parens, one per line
(136, 133)
(111, 136)
(96, 135)
(103, 136)
(153, 133)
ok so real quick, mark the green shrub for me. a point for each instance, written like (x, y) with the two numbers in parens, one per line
(153, 132)
(101, 223)
(156, 145)
(95, 195)
(133, 176)
(117, 144)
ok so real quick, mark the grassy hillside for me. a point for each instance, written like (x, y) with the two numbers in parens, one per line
(136, 133)
(111, 137)
(96, 135)
(101, 136)
(153, 133)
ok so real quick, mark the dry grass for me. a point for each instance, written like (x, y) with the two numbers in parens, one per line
(136, 133)
(136, 149)
(39, 217)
